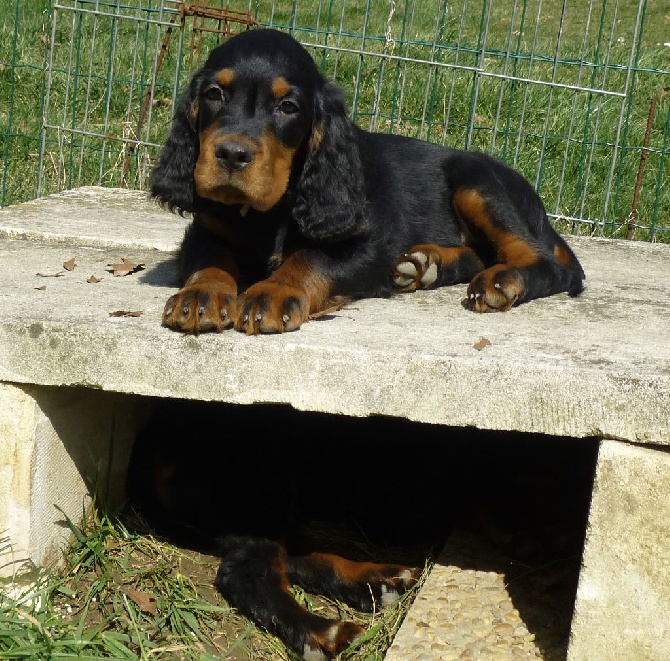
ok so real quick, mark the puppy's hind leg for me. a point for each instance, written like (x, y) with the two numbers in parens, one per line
(254, 579)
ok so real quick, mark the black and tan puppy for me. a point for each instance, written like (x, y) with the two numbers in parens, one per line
(295, 208)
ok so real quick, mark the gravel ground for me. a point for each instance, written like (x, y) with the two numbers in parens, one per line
(477, 604)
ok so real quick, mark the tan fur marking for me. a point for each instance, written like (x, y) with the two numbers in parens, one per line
(297, 272)
(453, 254)
(280, 87)
(316, 138)
(279, 158)
(562, 255)
(471, 206)
(225, 77)
(280, 569)
(349, 570)
(225, 275)
(193, 115)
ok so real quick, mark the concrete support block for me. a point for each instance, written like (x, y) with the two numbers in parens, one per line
(623, 599)
(58, 446)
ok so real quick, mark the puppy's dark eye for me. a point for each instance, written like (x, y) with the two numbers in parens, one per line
(213, 93)
(288, 107)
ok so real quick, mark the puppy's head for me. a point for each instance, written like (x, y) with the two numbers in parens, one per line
(255, 108)
(256, 119)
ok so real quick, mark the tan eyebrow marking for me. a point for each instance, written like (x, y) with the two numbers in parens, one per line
(225, 77)
(280, 87)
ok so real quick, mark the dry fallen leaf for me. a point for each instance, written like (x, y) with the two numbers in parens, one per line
(42, 288)
(93, 280)
(125, 267)
(50, 275)
(483, 342)
(145, 602)
(69, 265)
(330, 310)
(126, 313)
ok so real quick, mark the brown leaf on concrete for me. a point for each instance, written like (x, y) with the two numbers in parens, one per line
(125, 267)
(69, 265)
(42, 288)
(126, 313)
(145, 602)
(338, 303)
(483, 342)
(93, 280)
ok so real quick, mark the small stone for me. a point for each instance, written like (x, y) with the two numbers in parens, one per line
(505, 606)
(513, 616)
(505, 628)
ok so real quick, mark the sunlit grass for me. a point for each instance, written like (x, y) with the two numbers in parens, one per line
(126, 595)
(561, 141)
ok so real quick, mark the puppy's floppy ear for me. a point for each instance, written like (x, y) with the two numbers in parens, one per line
(331, 202)
(172, 179)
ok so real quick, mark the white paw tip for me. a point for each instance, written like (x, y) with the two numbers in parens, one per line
(419, 257)
(402, 282)
(405, 576)
(389, 596)
(406, 268)
(430, 276)
(310, 653)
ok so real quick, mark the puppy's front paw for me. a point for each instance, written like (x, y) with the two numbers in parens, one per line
(271, 307)
(200, 308)
(328, 642)
(496, 289)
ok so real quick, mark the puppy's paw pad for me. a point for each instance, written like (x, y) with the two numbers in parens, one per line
(414, 270)
(396, 582)
(495, 290)
(430, 276)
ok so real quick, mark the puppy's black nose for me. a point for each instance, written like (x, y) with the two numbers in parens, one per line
(233, 155)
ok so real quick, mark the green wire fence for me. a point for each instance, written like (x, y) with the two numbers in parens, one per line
(576, 95)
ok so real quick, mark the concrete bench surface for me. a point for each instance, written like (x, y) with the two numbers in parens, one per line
(597, 365)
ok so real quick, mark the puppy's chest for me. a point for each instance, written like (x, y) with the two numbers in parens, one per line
(260, 241)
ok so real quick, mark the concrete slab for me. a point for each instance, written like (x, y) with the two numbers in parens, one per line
(94, 216)
(598, 365)
(623, 598)
(59, 446)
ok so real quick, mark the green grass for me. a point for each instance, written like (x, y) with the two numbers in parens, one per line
(125, 595)
(562, 141)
